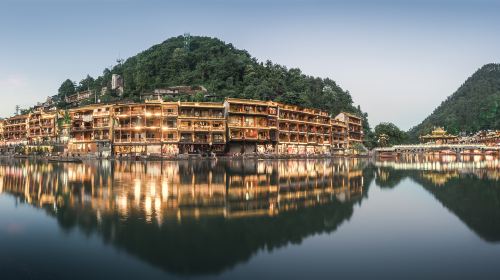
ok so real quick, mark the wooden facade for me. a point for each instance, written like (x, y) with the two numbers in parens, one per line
(42, 127)
(169, 128)
(251, 125)
(202, 127)
(91, 130)
(16, 129)
(303, 130)
(354, 128)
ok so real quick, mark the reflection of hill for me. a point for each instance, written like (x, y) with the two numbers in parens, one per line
(472, 194)
(193, 218)
(208, 245)
(475, 201)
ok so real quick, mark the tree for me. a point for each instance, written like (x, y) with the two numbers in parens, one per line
(393, 135)
(86, 84)
(474, 106)
(67, 88)
(225, 72)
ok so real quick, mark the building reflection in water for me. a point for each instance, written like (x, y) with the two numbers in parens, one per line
(442, 171)
(192, 217)
(177, 190)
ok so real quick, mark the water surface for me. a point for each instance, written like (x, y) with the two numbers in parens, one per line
(242, 220)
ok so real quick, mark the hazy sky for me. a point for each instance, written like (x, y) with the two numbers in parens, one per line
(399, 59)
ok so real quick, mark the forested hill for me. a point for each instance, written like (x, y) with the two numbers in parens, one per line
(474, 106)
(224, 70)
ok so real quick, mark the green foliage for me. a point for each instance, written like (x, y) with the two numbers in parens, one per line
(226, 72)
(67, 88)
(394, 134)
(25, 111)
(86, 84)
(474, 106)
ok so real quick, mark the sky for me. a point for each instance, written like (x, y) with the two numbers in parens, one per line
(398, 59)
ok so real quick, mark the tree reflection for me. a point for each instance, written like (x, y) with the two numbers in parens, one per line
(468, 189)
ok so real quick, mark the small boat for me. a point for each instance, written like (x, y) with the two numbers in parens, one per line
(68, 160)
(21, 156)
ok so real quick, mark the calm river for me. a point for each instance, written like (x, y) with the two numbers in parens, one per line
(288, 219)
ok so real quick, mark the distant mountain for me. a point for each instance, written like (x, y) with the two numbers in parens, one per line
(474, 106)
(223, 70)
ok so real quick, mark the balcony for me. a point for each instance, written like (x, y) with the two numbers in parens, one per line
(354, 121)
(218, 139)
(185, 128)
(248, 109)
(284, 137)
(202, 139)
(201, 127)
(101, 114)
(81, 139)
(81, 128)
(102, 138)
(218, 128)
(153, 139)
(186, 139)
(123, 140)
(263, 136)
(170, 112)
(236, 135)
(137, 112)
(101, 126)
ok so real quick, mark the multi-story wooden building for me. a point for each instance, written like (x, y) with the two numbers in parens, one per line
(170, 128)
(137, 128)
(354, 128)
(170, 133)
(16, 129)
(102, 124)
(91, 130)
(146, 129)
(42, 127)
(339, 136)
(202, 127)
(303, 131)
(491, 138)
(82, 131)
(251, 125)
(2, 139)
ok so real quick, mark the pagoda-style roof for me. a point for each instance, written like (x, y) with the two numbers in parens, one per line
(438, 133)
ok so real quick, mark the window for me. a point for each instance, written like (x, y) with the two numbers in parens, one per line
(249, 121)
(218, 138)
(171, 124)
(234, 120)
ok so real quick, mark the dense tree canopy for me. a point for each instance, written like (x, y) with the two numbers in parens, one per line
(66, 88)
(395, 136)
(226, 72)
(474, 106)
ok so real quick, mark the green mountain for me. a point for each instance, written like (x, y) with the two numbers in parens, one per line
(474, 106)
(223, 70)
